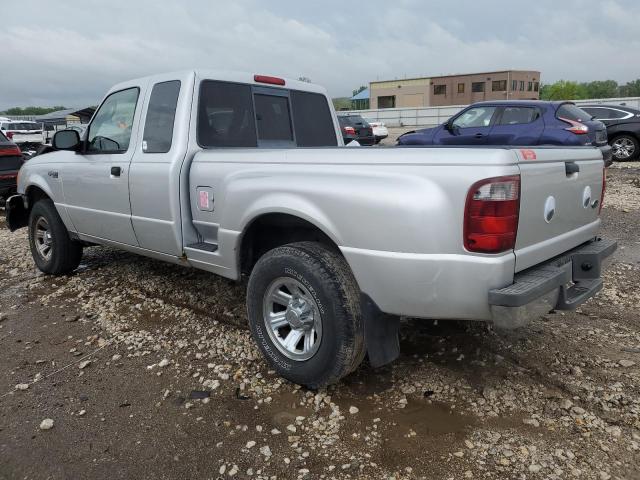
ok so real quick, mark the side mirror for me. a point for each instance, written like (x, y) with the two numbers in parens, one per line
(66, 140)
(448, 125)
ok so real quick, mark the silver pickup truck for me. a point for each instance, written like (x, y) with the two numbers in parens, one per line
(246, 175)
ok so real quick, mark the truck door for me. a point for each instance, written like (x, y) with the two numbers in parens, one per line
(157, 162)
(96, 181)
(471, 127)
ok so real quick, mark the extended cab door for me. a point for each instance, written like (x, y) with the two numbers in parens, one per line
(471, 127)
(96, 181)
(157, 162)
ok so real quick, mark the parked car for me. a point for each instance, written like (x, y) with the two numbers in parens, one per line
(516, 123)
(337, 243)
(380, 131)
(27, 135)
(10, 163)
(623, 129)
(354, 127)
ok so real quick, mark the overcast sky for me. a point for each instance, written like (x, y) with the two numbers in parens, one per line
(70, 52)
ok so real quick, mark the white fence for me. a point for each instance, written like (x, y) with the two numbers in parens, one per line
(429, 116)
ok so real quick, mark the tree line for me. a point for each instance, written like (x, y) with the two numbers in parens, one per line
(31, 110)
(569, 90)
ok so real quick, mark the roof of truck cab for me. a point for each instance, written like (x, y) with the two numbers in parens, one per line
(226, 76)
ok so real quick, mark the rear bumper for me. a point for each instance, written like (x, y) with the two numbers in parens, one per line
(562, 283)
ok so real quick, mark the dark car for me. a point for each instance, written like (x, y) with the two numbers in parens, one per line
(10, 163)
(623, 129)
(516, 123)
(354, 127)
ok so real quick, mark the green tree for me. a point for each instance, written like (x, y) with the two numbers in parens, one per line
(342, 103)
(631, 89)
(602, 89)
(563, 90)
(31, 110)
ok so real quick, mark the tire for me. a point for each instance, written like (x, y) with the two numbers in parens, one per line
(626, 148)
(328, 293)
(47, 229)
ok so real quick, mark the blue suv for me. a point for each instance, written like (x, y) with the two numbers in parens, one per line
(516, 123)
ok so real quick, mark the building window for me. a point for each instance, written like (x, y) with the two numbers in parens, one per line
(461, 88)
(522, 85)
(477, 87)
(514, 85)
(499, 86)
(439, 89)
(536, 86)
(387, 102)
(530, 87)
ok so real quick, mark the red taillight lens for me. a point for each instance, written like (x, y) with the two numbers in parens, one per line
(491, 215)
(12, 151)
(349, 130)
(604, 187)
(576, 127)
(268, 79)
(9, 135)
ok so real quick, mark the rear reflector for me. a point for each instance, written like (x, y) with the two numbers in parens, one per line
(604, 187)
(491, 215)
(269, 80)
(9, 176)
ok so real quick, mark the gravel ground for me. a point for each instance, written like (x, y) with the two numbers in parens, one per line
(131, 368)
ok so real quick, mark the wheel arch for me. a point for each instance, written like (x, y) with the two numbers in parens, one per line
(269, 230)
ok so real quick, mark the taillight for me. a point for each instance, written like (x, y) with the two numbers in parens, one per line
(9, 135)
(576, 127)
(12, 151)
(604, 187)
(349, 130)
(491, 215)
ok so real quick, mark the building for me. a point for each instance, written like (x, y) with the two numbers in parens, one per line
(360, 101)
(455, 89)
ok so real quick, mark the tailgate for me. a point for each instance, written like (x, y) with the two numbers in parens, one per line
(559, 201)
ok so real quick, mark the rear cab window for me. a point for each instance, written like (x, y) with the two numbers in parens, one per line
(161, 114)
(249, 116)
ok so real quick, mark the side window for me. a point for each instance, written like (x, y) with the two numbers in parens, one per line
(519, 115)
(475, 117)
(161, 114)
(225, 115)
(273, 118)
(313, 122)
(110, 131)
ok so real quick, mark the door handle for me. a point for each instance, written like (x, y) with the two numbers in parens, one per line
(116, 171)
(479, 135)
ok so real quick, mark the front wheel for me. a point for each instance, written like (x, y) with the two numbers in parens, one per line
(304, 312)
(51, 247)
(625, 148)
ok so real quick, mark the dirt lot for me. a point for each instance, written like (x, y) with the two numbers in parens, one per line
(147, 372)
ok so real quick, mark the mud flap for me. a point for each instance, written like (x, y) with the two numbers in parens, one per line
(16, 213)
(380, 333)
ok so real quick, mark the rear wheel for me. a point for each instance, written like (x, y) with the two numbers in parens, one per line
(304, 312)
(51, 247)
(625, 148)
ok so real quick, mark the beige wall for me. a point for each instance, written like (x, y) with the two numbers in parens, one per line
(419, 92)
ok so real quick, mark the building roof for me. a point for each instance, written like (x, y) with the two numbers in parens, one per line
(363, 95)
(61, 115)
